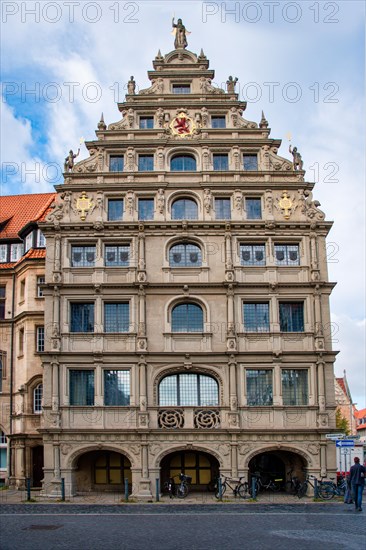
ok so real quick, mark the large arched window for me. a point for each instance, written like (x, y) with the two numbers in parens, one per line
(183, 163)
(187, 318)
(184, 209)
(185, 255)
(37, 399)
(188, 390)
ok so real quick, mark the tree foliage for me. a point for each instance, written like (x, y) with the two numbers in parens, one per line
(342, 423)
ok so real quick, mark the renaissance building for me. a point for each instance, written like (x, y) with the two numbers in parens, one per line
(186, 297)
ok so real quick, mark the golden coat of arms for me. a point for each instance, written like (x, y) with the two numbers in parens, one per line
(182, 125)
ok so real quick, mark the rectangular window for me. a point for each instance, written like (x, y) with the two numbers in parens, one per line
(2, 369)
(259, 388)
(292, 317)
(21, 341)
(287, 254)
(252, 254)
(116, 164)
(223, 209)
(22, 291)
(220, 162)
(116, 317)
(3, 253)
(146, 122)
(40, 339)
(40, 282)
(28, 242)
(218, 122)
(2, 302)
(181, 88)
(295, 387)
(256, 317)
(250, 162)
(81, 317)
(146, 163)
(146, 209)
(82, 387)
(116, 388)
(115, 210)
(16, 251)
(253, 208)
(117, 256)
(41, 239)
(83, 256)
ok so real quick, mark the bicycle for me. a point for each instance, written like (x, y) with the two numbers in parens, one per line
(180, 490)
(294, 483)
(324, 491)
(241, 487)
(271, 485)
(329, 489)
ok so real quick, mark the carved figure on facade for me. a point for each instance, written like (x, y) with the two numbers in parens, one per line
(311, 207)
(61, 208)
(297, 160)
(230, 84)
(238, 200)
(128, 120)
(206, 158)
(237, 120)
(131, 86)
(236, 158)
(130, 159)
(160, 201)
(276, 162)
(69, 160)
(286, 205)
(180, 34)
(182, 125)
(204, 117)
(268, 201)
(206, 87)
(156, 87)
(207, 200)
(130, 202)
(83, 205)
(160, 117)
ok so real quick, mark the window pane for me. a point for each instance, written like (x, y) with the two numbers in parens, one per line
(146, 163)
(185, 255)
(253, 208)
(146, 122)
(3, 253)
(256, 317)
(16, 251)
(188, 390)
(82, 387)
(82, 318)
(2, 302)
(287, 254)
(40, 282)
(41, 239)
(223, 209)
(83, 256)
(40, 339)
(184, 209)
(208, 391)
(187, 318)
(37, 398)
(117, 256)
(220, 162)
(115, 209)
(292, 317)
(168, 391)
(259, 387)
(250, 162)
(116, 164)
(181, 89)
(252, 254)
(116, 317)
(117, 387)
(295, 387)
(218, 122)
(146, 209)
(183, 163)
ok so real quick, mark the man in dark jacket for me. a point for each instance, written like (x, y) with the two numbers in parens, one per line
(357, 479)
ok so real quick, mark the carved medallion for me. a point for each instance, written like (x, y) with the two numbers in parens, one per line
(285, 204)
(182, 125)
(84, 205)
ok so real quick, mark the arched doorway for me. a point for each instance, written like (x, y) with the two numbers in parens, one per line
(278, 464)
(202, 467)
(102, 471)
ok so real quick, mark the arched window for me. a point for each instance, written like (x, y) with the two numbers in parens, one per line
(187, 318)
(37, 399)
(183, 163)
(3, 450)
(185, 255)
(188, 390)
(184, 209)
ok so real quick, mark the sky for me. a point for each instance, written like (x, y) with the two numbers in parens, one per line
(65, 62)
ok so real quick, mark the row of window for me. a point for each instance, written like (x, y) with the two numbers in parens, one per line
(39, 293)
(189, 390)
(184, 254)
(183, 163)
(147, 122)
(12, 252)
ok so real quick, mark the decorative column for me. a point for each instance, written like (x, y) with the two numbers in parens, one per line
(234, 456)
(55, 386)
(233, 415)
(141, 273)
(323, 417)
(231, 343)
(55, 335)
(144, 492)
(143, 415)
(229, 271)
(314, 264)
(319, 334)
(141, 321)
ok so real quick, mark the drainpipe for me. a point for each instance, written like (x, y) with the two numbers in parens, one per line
(10, 449)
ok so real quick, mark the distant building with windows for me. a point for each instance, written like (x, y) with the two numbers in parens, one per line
(22, 336)
(186, 298)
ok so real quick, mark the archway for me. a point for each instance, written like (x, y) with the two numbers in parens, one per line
(102, 471)
(202, 467)
(278, 464)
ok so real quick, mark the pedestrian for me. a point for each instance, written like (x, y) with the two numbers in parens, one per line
(357, 479)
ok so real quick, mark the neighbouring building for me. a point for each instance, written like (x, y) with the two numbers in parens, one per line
(186, 296)
(22, 336)
(344, 402)
(361, 424)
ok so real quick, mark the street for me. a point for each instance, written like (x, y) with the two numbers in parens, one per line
(171, 527)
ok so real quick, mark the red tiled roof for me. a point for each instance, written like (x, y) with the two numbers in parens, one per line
(32, 254)
(342, 385)
(16, 211)
(360, 414)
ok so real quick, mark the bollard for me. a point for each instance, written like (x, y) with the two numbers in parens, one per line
(157, 489)
(254, 488)
(220, 488)
(126, 489)
(28, 486)
(63, 489)
(316, 492)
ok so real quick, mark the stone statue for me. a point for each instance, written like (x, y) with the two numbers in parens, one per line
(131, 86)
(238, 200)
(207, 200)
(230, 84)
(160, 201)
(130, 202)
(180, 33)
(69, 161)
(297, 160)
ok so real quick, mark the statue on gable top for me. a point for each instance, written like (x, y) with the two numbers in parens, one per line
(180, 34)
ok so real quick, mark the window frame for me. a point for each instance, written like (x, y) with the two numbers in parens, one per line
(4, 253)
(186, 264)
(292, 321)
(84, 249)
(179, 397)
(189, 316)
(114, 200)
(38, 398)
(92, 373)
(128, 400)
(252, 155)
(261, 402)
(248, 211)
(190, 201)
(217, 167)
(150, 164)
(180, 86)
(145, 200)
(118, 246)
(183, 156)
(106, 322)
(40, 339)
(2, 302)
(286, 249)
(121, 161)
(39, 284)
(252, 262)
(257, 327)
(225, 208)
(74, 304)
(148, 118)
(218, 118)
(291, 403)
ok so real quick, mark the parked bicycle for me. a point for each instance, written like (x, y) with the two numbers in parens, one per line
(274, 485)
(181, 489)
(238, 487)
(324, 491)
(293, 483)
(329, 489)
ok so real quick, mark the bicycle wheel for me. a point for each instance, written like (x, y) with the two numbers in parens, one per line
(276, 486)
(182, 490)
(223, 489)
(325, 491)
(303, 489)
(243, 490)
